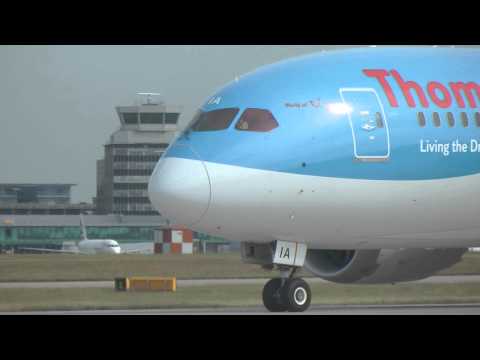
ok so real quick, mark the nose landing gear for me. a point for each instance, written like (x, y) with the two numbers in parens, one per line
(287, 294)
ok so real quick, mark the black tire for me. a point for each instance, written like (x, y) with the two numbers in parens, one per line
(296, 295)
(272, 297)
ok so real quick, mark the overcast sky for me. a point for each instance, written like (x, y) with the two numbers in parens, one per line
(57, 102)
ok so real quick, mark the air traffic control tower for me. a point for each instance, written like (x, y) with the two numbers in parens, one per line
(146, 130)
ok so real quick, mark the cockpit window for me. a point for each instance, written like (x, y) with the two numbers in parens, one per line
(214, 120)
(259, 120)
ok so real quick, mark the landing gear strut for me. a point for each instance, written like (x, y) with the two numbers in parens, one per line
(287, 294)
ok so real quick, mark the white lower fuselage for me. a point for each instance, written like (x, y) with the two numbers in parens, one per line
(247, 204)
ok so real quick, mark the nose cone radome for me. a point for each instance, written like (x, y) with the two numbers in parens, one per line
(179, 188)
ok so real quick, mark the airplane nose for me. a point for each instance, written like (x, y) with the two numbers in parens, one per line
(179, 188)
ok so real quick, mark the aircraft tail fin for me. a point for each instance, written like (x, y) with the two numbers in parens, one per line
(83, 228)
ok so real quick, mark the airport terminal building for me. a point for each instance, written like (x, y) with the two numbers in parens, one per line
(39, 199)
(131, 154)
(54, 231)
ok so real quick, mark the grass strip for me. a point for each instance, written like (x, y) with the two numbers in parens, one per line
(232, 296)
(63, 267)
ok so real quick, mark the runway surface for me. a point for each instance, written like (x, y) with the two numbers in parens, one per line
(205, 282)
(453, 309)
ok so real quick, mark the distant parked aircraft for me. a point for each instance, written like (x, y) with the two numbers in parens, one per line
(90, 246)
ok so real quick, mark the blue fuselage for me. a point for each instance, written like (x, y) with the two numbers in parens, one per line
(328, 107)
